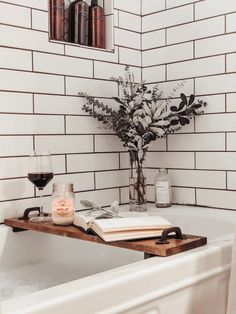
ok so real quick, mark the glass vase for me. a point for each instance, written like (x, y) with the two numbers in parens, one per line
(137, 181)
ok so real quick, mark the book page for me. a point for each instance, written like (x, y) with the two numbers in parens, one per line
(127, 234)
(132, 223)
(83, 221)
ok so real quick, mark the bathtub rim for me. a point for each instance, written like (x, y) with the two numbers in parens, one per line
(149, 270)
(154, 265)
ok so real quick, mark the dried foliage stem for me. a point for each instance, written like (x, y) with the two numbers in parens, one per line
(143, 115)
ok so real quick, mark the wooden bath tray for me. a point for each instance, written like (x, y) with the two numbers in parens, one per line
(147, 246)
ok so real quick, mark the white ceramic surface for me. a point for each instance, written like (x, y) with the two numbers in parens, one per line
(73, 276)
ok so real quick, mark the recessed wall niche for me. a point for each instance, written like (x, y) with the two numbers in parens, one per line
(71, 25)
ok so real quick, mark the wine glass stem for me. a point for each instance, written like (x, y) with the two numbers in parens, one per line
(41, 202)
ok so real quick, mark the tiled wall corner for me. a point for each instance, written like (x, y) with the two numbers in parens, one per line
(193, 41)
(188, 45)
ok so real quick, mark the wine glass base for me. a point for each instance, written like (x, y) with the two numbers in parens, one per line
(41, 219)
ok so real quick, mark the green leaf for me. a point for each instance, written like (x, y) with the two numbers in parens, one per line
(158, 131)
(140, 128)
(146, 146)
(86, 203)
(174, 108)
(148, 119)
(191, 100)
(165, 114)
(196, 106)
(131, 145)
(182, 105)
(184, 98)
(147, 110)
(138, 112)
(115, 207)
(161, 123)
(131, 104)
(159, 111)
(174, 122)
(144, 123)
(136, 87)
(117, 99)
(138, 100)
(183, 121)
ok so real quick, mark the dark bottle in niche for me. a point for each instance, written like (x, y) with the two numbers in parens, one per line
(71, 21)
(78, 22)
(96, 26)
(57, 8)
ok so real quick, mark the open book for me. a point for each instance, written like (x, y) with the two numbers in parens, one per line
(127, 228)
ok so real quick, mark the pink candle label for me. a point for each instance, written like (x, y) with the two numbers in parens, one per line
(63, 207)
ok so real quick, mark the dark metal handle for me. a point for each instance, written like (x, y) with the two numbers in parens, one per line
(166, 232)
(28, 211)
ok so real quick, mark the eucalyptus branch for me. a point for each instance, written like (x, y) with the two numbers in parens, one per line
(143, 114)
(112, 213)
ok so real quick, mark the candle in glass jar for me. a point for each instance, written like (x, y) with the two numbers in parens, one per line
(63, 204)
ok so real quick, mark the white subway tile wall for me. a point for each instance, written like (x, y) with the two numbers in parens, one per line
(153, 39)
(176, 3)
(194, 41)
(40, 107)
(15, 15)
(128, 39)
(154, 74)
(230, 24)
(231, 62)
(198, 67)
(168, 54)
(49, 63)
(9, 102)
(36, 4)
(196, 30)
(130, 56)
(170, 42)
(15, 59)
(152, 6)
(130, 21)
(168, 18)
(231, 102)
(209, 8)
(40, 20)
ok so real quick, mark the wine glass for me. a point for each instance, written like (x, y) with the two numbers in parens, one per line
(40, 173)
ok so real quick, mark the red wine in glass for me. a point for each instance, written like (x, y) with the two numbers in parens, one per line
(40, 179)
(40, 173)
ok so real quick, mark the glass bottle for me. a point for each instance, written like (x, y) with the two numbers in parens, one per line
(96, 25)
(63, 203)
(162, 189)
(78, 22)
(57, 8)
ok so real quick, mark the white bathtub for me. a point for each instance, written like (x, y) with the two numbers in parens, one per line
(71, 276)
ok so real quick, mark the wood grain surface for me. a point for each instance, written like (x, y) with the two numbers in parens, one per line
(147, 246)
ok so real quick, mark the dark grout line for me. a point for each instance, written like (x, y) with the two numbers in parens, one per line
(128, 12)
(193, 78)
(191, 21)
(95, 135)
(190, 40)
(171, 8)
(23, 6)
(127, 30)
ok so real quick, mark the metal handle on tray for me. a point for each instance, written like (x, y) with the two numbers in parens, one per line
(166, 232)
